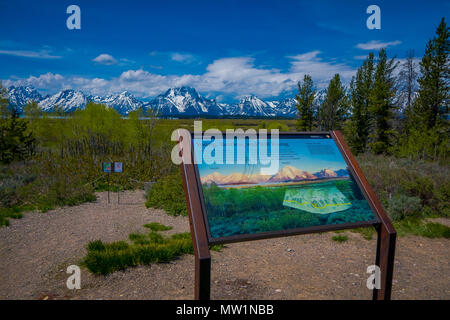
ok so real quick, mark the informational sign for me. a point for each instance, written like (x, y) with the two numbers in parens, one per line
(107, 167)
(298, 183)
(118, 167)
(308, 186)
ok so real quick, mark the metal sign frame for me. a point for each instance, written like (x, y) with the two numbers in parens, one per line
(202, 239)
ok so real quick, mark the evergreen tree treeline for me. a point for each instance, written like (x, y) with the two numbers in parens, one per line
(386, 108)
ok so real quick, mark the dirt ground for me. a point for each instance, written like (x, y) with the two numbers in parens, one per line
(36, 250)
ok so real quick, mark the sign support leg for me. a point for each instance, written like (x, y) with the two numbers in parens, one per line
(202, 278)
(385, 260)
(108, 187)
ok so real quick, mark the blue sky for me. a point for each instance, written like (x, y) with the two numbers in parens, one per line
(223, 48)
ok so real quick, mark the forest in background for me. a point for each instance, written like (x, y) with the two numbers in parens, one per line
(393, 117)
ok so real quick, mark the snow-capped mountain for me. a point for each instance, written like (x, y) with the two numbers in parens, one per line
(284, 108)
(251, 106)
(123, 103)
(69, 100)
(177, 102)
(184, 101)
(20, 96)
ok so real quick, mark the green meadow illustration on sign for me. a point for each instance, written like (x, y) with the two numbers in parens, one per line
(311, 186)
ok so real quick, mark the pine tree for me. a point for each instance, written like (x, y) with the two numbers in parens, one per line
(334, 109)
(16, 142)
(360, 89)
(381, 104)
(305, 104)
(407, 87)
(434, 81)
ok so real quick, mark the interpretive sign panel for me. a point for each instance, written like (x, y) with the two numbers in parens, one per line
(276, 185)
(311, 187)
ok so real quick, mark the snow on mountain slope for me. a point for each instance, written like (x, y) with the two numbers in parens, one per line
(123, 103)
(19, 96)
(184, 101)
(69, 100)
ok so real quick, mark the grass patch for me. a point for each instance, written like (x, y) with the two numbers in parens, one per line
(411, 226)
(216, 247)
(156, 226)
(422, 228)
(340, 238)
(105, 258)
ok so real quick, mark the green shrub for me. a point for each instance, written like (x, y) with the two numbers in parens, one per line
(168, 194)
(401, 206)
(400, 182)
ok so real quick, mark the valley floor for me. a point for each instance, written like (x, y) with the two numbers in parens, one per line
(36, 250)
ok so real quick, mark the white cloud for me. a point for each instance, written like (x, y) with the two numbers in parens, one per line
(228, 76)
(105, 59)
(180, 57)
(29, 54)
(377, 45)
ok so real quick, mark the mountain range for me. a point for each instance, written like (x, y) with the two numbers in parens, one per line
(175, 102)
(286, 174)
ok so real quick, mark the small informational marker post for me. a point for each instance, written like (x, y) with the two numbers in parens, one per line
(109, 167)
(315, 186)
(118, 167)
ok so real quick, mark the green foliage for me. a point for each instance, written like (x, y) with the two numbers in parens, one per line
(305, 104)
(5, 213)
(421, 228)
(156, 226)
(357, 130)
(420, 143)
(16, 141)
(408, 188)
(168, 194)
(269, 125)
(381, 105)
(334, 110)
(144, 249)
(401, 206)
(434, 87)
(411, 226)
(340, 238)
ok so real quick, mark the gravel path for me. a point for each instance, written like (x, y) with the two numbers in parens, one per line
(36, 250)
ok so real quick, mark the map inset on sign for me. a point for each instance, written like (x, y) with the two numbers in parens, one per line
(310, 187)
(319, 200)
